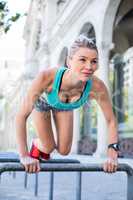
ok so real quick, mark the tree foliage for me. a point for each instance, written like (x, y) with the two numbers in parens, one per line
(6, 19)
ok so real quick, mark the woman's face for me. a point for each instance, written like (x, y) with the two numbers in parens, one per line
(84, 63)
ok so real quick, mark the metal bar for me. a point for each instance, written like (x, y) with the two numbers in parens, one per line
(78, 185)
(51, 189)
(65, 167)
(17, 160)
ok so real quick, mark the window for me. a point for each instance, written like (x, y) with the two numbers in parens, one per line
(60, 5)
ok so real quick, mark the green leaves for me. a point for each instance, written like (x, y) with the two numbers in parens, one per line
(15, 17)
(2, 5)
(6, 19)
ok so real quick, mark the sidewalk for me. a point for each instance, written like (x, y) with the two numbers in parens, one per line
(95, 186)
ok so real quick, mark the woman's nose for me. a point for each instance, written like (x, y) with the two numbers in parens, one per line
(89, 65)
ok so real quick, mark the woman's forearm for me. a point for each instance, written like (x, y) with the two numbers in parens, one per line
(21, 136)
(113, 132)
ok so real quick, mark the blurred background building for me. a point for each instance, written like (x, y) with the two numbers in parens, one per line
(51, 27)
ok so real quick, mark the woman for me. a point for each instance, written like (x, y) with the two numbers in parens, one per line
(60, 90)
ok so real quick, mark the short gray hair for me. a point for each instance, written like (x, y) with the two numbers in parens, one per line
(82, 41)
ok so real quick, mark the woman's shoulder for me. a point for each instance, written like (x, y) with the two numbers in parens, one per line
(49, 72)
(98, 87)
(97, 82)
(46, 77)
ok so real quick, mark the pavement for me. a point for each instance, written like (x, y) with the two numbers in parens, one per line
(95, 185)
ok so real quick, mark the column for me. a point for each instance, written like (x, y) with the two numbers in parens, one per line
(31, 63)
(76, 131)
(103, 74)
(2, 122)
(48, 19)
(87, 119)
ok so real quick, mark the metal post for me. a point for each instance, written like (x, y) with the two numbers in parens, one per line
(14, 175)
(78, 185)
(25, 179)
(36, 184)
(51, 189)
(129, 187)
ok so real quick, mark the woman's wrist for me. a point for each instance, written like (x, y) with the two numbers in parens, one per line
(25, 160)
(112, 154)
(23, 150)
(24, 154)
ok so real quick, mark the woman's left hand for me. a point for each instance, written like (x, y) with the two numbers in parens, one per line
(111, 163)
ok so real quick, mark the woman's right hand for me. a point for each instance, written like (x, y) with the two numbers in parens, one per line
(31, 165)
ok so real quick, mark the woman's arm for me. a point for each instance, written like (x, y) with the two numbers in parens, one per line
(100, 93)
(37, 87)
(104, 102)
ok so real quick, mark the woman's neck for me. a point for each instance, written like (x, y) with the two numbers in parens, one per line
(71, 80)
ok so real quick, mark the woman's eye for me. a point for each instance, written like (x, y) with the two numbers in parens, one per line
(94, 62)
(82, 60)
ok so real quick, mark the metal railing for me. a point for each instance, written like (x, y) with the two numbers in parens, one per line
(68, 165)
(9, 157)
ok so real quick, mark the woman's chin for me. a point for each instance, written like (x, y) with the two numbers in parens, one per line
(86, 78)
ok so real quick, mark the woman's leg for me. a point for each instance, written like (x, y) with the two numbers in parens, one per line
(42, 123)
(64, 126)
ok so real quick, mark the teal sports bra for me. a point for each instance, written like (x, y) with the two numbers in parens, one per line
(54, 100)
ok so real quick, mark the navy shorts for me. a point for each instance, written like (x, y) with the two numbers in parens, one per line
(41, 105)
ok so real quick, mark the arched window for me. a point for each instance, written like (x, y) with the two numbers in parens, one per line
(60, 5)
(88, 30)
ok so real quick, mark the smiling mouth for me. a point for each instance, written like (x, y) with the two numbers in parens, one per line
(87, 73)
